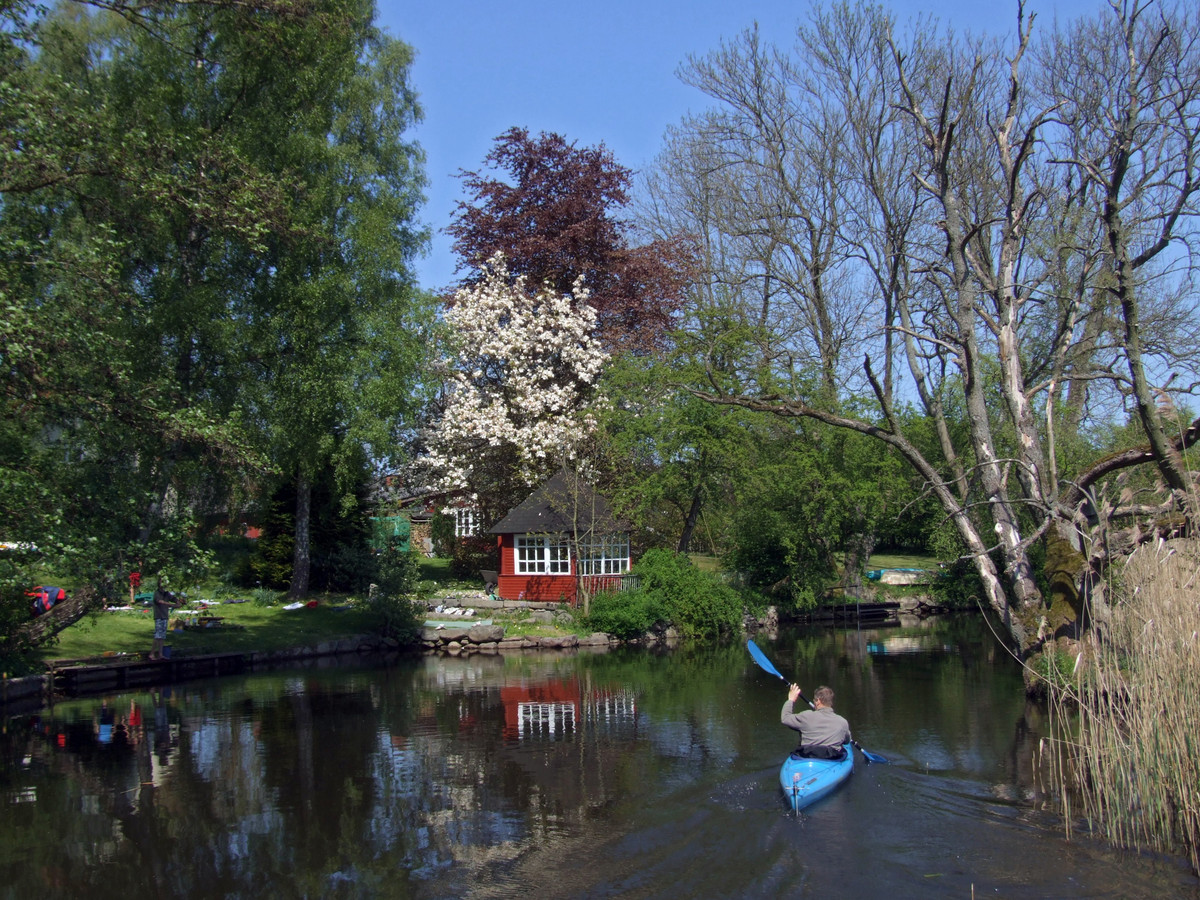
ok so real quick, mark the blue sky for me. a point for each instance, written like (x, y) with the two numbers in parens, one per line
(596, 72)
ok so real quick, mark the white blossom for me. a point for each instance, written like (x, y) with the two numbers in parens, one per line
(522, 378)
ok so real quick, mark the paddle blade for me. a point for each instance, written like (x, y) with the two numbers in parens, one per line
(761, 659)
(869, 756)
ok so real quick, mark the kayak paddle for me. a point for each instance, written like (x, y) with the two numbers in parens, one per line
(765, 664)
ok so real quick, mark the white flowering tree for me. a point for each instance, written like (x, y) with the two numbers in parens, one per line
(522, 374)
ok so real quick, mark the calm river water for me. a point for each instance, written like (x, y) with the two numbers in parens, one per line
(619, 774)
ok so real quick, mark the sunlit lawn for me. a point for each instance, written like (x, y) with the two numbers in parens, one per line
(901, 561)
(244, 627)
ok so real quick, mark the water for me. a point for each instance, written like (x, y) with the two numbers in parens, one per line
(621, 774)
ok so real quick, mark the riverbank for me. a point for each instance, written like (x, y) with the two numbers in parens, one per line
(108, 650)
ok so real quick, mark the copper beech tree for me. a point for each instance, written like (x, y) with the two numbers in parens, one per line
(555, 219)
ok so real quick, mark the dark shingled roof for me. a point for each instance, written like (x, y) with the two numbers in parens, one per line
(563, 504)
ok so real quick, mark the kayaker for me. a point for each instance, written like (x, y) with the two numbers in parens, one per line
(822, 731)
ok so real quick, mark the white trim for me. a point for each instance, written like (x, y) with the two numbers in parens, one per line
(466, 521)
(541, 554)
(604, 554)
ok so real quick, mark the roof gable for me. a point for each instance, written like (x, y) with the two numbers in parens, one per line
(563, 504)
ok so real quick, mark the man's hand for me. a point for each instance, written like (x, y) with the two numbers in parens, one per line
(794, 693)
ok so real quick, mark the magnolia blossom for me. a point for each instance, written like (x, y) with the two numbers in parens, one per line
(524, 372)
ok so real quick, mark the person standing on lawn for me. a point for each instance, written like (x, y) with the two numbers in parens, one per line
(164, 602)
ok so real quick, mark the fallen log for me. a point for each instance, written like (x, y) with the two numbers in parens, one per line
(63, 614)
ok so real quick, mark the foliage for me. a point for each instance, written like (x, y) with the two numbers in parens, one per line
(342, 560)
(470, 555)
(804, 497)
(670, 456)
(205, 233)
(627, 615)
(396, 598)
(557, 223)
(698, 603)
(441, 532)
(984, 226)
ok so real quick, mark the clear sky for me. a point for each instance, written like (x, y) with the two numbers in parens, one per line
(595, 72)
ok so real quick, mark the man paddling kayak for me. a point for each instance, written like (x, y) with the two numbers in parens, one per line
(822, 731)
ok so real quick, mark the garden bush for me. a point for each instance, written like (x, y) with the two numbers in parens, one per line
(626, 615)
(396, 600)
(698, 603)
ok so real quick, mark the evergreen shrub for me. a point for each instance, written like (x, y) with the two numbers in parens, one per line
(398, 595)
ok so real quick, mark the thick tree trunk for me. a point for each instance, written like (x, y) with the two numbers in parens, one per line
(302, 559)
(858, 551)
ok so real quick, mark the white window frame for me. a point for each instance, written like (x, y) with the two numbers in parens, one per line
(542, 554)
(604, 554)
(466, 521)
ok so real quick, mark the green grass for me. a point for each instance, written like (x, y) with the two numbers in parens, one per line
(245, 627)
(901, 561)
(252, 626)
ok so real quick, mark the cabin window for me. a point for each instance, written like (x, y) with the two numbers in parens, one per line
(466, 522)
(542, 554)
(604, 554)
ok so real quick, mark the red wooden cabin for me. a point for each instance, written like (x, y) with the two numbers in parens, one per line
(563, 536)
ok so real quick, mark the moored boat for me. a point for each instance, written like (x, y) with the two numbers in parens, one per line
(805, 780)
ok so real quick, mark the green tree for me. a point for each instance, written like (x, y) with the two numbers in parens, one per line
(346, 335)
(206, 224)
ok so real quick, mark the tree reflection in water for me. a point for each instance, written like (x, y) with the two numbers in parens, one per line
(570, 774)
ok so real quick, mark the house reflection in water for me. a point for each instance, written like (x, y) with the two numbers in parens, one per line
(551, 709)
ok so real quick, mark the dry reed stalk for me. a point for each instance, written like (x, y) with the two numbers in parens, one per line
(1134, 754)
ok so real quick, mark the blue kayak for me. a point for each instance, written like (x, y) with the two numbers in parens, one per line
(807, 780)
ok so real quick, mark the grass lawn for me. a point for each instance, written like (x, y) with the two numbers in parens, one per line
(252, 625)
(901, 561)
(244, 627)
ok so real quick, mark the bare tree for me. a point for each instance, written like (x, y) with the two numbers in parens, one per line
(1015, 216)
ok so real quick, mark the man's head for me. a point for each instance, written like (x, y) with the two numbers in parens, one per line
(824, 696)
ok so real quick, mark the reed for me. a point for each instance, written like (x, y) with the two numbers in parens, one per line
(1130, 717)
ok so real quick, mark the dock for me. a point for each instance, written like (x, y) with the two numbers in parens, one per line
(854, 612)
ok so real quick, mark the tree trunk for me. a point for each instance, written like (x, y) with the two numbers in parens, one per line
(858, 551)
(302, 559)
(689, 524)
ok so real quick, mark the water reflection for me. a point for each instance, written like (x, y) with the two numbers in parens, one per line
(623, 773)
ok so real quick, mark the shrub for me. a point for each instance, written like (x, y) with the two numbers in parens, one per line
(472, 555)
(958, 585)
(397, 595)
(698, 603)
(625, 616)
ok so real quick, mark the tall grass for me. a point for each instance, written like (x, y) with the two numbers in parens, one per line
(1134, 752)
